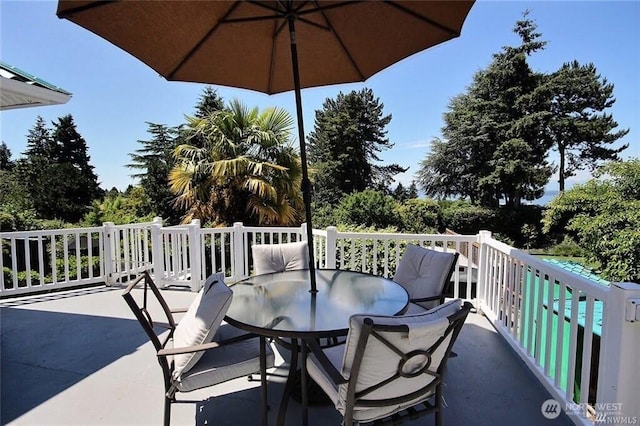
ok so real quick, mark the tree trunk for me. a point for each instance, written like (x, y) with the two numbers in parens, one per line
(561, 152)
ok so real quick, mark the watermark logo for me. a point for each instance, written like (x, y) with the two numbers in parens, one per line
(551, 409)
(602, 413)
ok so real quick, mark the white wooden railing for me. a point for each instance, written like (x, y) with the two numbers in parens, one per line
(37, 260)
(581, 339)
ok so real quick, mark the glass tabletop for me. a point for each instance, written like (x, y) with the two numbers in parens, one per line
(280, 304)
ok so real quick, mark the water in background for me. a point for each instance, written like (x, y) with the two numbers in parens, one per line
(546, 198)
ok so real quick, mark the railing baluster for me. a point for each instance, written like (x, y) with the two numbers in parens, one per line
(41, 270)
(587, 344)
(573, 345)
(549, 325)
(78, 256)
(27, 260)
(14, 263)
(559, 362)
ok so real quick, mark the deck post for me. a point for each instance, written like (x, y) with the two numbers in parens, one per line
(619, 369)
(331, 247)
(157, 254)
(195, 255)
(483, 236)
(109, 265)
(238, 250)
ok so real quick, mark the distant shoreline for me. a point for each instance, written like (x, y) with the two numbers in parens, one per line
(546, 198)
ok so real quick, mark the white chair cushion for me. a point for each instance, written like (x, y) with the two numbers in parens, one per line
(269, 258)
(317, 373)
(201, 321)
(224, 363)
(413, 309)
(423, 273)
(379, 362)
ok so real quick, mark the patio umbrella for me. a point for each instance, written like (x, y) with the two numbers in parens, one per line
(271, 46)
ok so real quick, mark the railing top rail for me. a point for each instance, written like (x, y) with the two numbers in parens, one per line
(217, 230)
(320, 232)
(395, 236)
(576, 281)
(134, 225)
(42, 232)
(266, 229)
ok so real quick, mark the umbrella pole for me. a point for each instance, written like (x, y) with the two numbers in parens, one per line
(306, 183)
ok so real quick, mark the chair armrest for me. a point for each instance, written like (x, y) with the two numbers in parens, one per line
(327, 365)
(188, 349)
(179, 310)
(207, 346)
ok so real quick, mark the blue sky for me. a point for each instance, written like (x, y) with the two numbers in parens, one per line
(114, 94)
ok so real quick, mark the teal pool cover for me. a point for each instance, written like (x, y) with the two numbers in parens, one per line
(531, 292)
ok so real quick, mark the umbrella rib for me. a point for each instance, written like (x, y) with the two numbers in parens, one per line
(282, 13)
(202, 41)
(423, 18)
(276, 30)
(342, 45)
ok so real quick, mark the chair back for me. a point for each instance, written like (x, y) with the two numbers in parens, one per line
(142, 306)
(426, 274)
(269, 258)
(393, 363)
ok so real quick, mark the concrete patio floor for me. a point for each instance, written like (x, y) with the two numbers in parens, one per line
(81, 358)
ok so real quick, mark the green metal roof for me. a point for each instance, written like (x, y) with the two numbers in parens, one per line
(19, 89)
(25, 77)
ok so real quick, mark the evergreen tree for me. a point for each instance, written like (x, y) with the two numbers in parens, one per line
(348, 134)
(56, 171)
(154, 161)
(13, 196)
(71, 148)
(412, 191)
(577, 126)
(39, 140)
(399, 194)
(492, 147)
(31, 169)
(208, 102)
(5, 157)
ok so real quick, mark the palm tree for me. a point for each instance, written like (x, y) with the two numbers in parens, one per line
(243, 167)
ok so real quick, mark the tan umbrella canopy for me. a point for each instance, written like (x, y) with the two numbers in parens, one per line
(271, 46)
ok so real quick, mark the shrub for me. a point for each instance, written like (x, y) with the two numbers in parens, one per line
(367, 208)
(419, 216)
(22, 277)
(465, 218)
(73, 267)
(568, 247)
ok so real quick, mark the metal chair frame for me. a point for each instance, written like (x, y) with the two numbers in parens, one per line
(371, 330)
(165, 354)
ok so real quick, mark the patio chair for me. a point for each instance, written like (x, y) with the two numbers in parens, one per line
(426, 275)
(198, 352)
(390, 367)
(269, 258)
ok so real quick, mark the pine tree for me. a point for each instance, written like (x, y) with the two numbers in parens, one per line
(348, 134)
(57, 172)
(492, 148)
(577, 126)
(154, 161)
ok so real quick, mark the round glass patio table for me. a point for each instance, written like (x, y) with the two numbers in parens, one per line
(280, 305)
